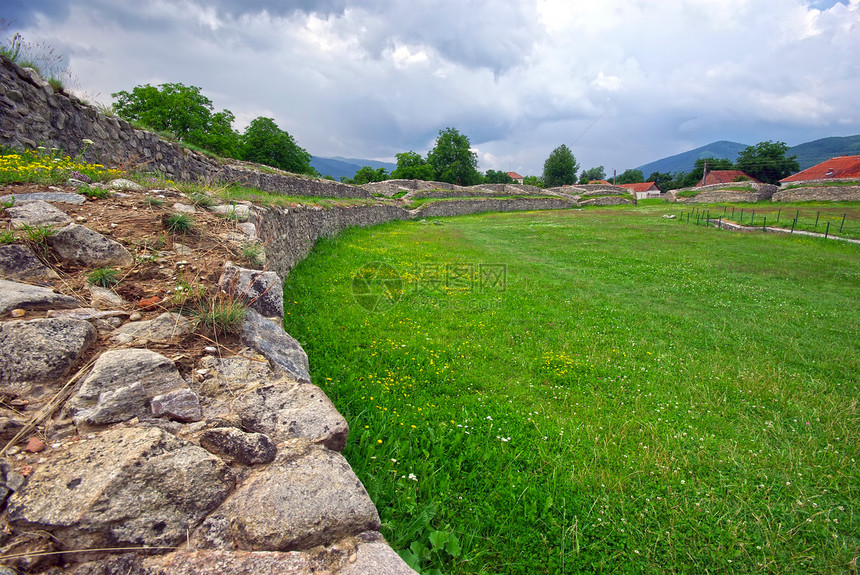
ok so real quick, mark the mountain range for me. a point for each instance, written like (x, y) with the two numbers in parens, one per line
(338, 166)
(808, 154)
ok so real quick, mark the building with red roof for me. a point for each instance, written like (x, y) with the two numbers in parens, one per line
(643, 190)
(724, 177)
(516, 177)
(839, 168)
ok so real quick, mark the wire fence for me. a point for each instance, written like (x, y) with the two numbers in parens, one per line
(826, 222)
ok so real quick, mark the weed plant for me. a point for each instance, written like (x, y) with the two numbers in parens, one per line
(252, 252)
(104, 277)
(94, 193)
(7, 237)
(610, 391)
(219, 314)
(179, 223)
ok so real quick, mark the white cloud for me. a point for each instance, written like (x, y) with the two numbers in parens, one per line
(366, 78)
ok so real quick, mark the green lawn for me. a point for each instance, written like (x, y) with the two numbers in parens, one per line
(634, 394)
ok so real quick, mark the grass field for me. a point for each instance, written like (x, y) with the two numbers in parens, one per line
(594, 391)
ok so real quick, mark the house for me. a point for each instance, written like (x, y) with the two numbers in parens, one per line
(839, 168)
(724, 177)
(643, 190)
(516, 177)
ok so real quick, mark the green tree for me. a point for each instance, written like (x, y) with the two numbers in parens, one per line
(181, 110)
(452, 159)
(494, 177)
(535, 181)
(598, 173)
(411, 166)
(630, 177)
(766, 161)
(264, 143)
(662, 180)
(366, 174)
(175, 108)
(560, 168)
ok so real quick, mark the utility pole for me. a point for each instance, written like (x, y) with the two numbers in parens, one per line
(705, 174)
(613, 177)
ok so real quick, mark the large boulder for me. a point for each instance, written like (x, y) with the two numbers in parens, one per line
(41, 350)
(309, 496)
(15, 295)
(127, 486)
(276, 345)
(18, 262)
(83, 246)
(287, 410)
(122, 385)
(36, 214)
(262, 290)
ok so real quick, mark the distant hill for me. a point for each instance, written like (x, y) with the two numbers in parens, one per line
(684, 162)
(338, 166)
(817, 151)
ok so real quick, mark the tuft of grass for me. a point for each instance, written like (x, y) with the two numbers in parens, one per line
(104, 277)
(252, 252)
(179, 223)
(154, 202)
(94, 193)
(219, 314)
(7, 237)
(201, 199)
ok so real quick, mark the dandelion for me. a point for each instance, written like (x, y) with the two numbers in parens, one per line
(378, 441)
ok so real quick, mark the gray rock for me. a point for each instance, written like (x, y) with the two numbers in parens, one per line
(14, 295)
(276, 345)
(248, 229)
(41, 350)
(184, 208)
(37, 213)
(86, 313)
(237, 211)
(127, 486)
(262, 290)
(120, 404)
(287, 410)
(179, 405)
(123, 184)
(103, 297)
(18, 262)
(363, 555)
(246, 448)
(124, 368)
(309, 496)
(59, 197)
(164, 328)
(83, 246)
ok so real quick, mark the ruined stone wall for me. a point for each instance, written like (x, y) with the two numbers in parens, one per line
(290, 233)
(32, 114)
(463, 207)
(819, 193)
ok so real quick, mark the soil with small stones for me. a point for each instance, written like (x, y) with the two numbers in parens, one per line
(163, 263)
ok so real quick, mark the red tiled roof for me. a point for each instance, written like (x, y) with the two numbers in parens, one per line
(724, 177)
(641, 187)
(514, 176)
(841, 167)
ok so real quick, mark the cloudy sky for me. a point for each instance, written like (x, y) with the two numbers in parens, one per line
(621, 82)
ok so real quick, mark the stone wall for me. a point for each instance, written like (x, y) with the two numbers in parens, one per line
(719, 193)
(290, 233)
(32, 114)
(819, 193)
(462, 207)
